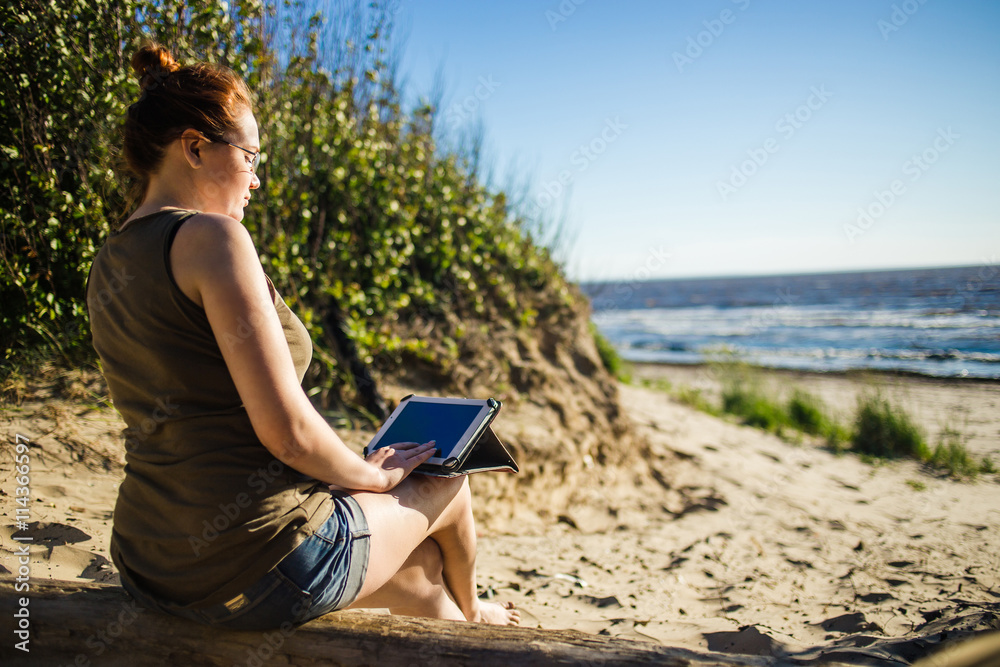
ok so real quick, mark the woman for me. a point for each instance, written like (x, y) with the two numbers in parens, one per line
(226, 515)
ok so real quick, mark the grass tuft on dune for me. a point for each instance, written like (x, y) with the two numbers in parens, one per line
(879, 430)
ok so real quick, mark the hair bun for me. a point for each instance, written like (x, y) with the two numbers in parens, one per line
(152, 63)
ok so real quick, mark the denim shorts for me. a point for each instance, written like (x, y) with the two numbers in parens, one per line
(323, 574)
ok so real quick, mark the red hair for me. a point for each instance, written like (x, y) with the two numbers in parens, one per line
(209, 98)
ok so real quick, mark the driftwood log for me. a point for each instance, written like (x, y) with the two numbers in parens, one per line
(82, 624)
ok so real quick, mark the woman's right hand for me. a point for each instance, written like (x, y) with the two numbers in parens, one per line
(397, 461)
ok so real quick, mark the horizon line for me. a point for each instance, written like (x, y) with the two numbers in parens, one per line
(991, 262)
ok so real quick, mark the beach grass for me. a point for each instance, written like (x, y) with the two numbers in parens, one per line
(878, 432)
(657, 384)
(884, 430)
(954, 458)
(613, 362)
(952, 455)
(755, 407)
(13, 386)
(694, 397)
(690, 396)
(806, 412)
(745, 395)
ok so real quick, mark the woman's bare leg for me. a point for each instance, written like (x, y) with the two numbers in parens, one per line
(457, 541)
(417, 589)
(423, 552)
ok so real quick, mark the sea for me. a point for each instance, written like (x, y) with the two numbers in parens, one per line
(940, 322)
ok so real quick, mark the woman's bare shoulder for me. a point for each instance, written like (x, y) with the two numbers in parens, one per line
(211, 251)
(211, 236)
(215, 225)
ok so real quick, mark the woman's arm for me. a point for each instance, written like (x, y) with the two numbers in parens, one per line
(215, 264)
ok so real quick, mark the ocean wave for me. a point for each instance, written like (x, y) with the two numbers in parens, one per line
(936, 322)
(708, 352)
(742, 320)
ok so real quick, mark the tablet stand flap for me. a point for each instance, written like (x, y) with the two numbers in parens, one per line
(489, 454)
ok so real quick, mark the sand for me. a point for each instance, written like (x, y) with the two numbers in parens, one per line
(745, 543)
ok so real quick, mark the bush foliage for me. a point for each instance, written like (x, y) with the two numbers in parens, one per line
(60, 101)
(373, 234)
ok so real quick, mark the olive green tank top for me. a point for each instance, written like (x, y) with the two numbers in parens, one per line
(205, 509)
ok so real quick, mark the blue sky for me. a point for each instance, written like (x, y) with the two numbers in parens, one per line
(726, 137)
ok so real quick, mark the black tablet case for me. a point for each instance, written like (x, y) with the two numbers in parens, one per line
(483, 453)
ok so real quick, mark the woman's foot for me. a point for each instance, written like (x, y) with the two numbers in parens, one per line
(496, 614)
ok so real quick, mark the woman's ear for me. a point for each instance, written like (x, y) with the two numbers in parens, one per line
(192, 144)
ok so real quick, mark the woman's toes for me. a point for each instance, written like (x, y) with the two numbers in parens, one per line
(499, 614)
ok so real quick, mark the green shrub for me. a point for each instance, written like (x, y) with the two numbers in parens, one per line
(385, 245)
(61, 94)
(806, 413)
(612, 361)
(886, 431)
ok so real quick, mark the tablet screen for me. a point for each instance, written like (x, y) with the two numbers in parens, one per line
(421, 422)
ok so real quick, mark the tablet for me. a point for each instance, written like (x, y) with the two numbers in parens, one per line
(452, 422)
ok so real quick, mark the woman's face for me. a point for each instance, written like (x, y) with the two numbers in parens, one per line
(228, 177)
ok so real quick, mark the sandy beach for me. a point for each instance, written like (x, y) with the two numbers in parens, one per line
(727, 539)
(799, 546)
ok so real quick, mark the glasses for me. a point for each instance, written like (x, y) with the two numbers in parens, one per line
(255, 154)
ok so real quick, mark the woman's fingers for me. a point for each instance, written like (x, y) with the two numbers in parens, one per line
(425, 454)
(398, 460)
(403, 454)
(410, 450)
(409, 446)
